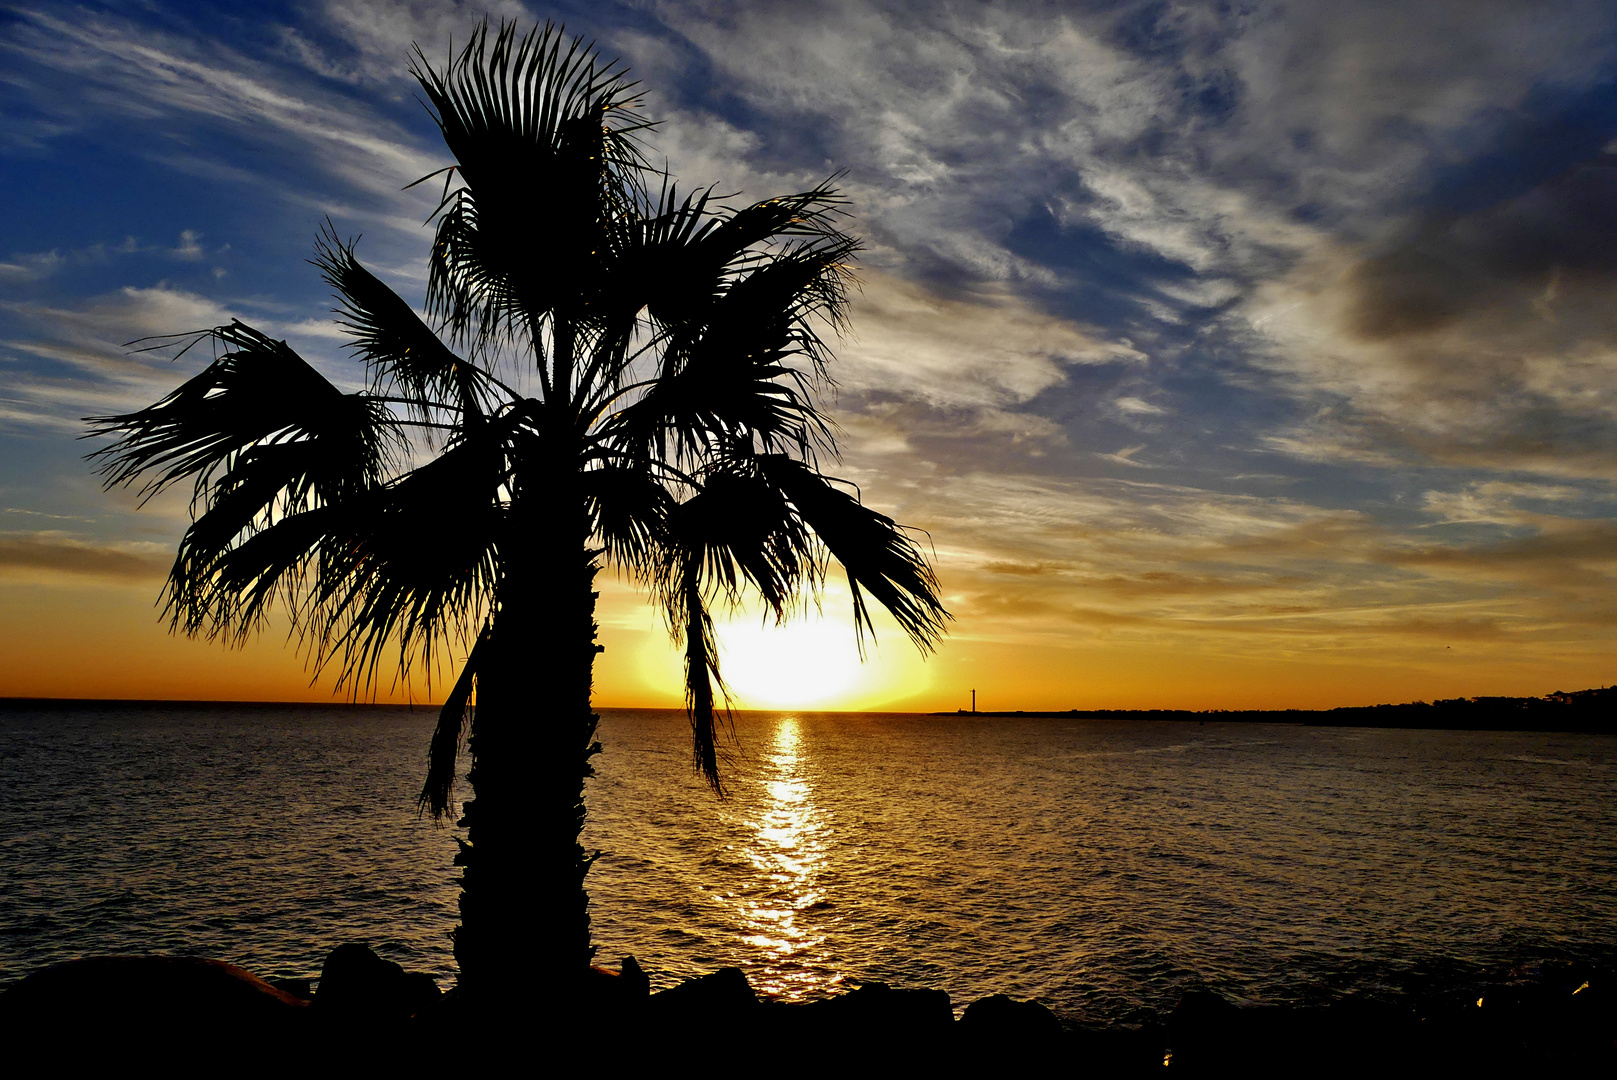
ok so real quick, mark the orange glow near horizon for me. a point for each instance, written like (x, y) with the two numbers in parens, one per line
(82, 638)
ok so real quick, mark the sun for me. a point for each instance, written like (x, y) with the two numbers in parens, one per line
(809, 662)
(801, 664)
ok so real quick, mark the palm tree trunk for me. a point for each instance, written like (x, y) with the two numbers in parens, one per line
(524, 934)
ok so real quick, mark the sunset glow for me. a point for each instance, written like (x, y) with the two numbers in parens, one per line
(1250, 392)
(801, 665)
(810, 662)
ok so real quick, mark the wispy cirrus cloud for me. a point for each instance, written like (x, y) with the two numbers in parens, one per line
(179, 86)
(44, 555)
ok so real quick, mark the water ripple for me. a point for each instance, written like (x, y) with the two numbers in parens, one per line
(1102, 867)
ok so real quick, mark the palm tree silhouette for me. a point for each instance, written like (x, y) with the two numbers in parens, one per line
(608, 373)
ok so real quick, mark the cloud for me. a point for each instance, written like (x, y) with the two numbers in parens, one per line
(163, 80)
(72, 360)
(374, 37)
(1535, 261)
(1130, 564)
(189, 248)
(104, 324)
(30, 267)
(1165, 176)
(91, 356)
(1134, 406)
(1497, 502)
(959, 127)
(48, 554)
(1482, 339)
(1577, 556)
(1125, 456)
(989, 348)
(1190, 134)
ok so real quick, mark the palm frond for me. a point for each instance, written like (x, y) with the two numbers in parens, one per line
(661, 262)
(545, 145)
(407, 561)
(453, 721)
(731, 376)
(736, 531)
(649, 264)
(812, 216)
(628, 509)
(413, 561)
(740, 532)
(781, 301)
(259, 391)
(402, 353)
(877, 554)
(701, 674)
(507, 103)
(224, 584)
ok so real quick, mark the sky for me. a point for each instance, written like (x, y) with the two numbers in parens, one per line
(1230, 355)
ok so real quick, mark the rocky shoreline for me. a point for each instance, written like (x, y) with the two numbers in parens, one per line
(370, 1010)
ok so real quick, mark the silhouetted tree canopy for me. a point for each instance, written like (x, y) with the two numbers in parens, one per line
(608, 372)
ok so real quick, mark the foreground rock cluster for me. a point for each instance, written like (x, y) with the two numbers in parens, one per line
(369, 1011)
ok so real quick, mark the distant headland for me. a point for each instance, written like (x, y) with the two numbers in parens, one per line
(1580, 710)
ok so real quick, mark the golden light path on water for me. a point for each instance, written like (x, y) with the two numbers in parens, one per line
(788, 841)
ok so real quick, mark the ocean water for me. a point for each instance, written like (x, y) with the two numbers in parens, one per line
(1102, 867)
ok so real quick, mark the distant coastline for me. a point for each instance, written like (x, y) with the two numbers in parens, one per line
(1580, 711)
(1589, 711)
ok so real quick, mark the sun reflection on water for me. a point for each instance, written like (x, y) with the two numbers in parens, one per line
(787, 849)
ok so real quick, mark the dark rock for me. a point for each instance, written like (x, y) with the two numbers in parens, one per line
(641, 1029)
(1201, 1011)
(1208, 1036)
(418, 991)
(359, 987)
(1204, 1032)
(998, 1032)
(635, 978)
(1113, 1050)
(622, 995)
(724, 993)
(872, 1019)
(1001, 1018)
(875, 1009)
(1352, 1035)
(1526, 1025)
(169, 1008)
(448, 1011)
(298, 988)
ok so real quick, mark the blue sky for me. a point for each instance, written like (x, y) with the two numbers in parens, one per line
(1217, 346)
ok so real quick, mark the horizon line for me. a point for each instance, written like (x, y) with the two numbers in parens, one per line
(1096, 712)
(11, 700)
